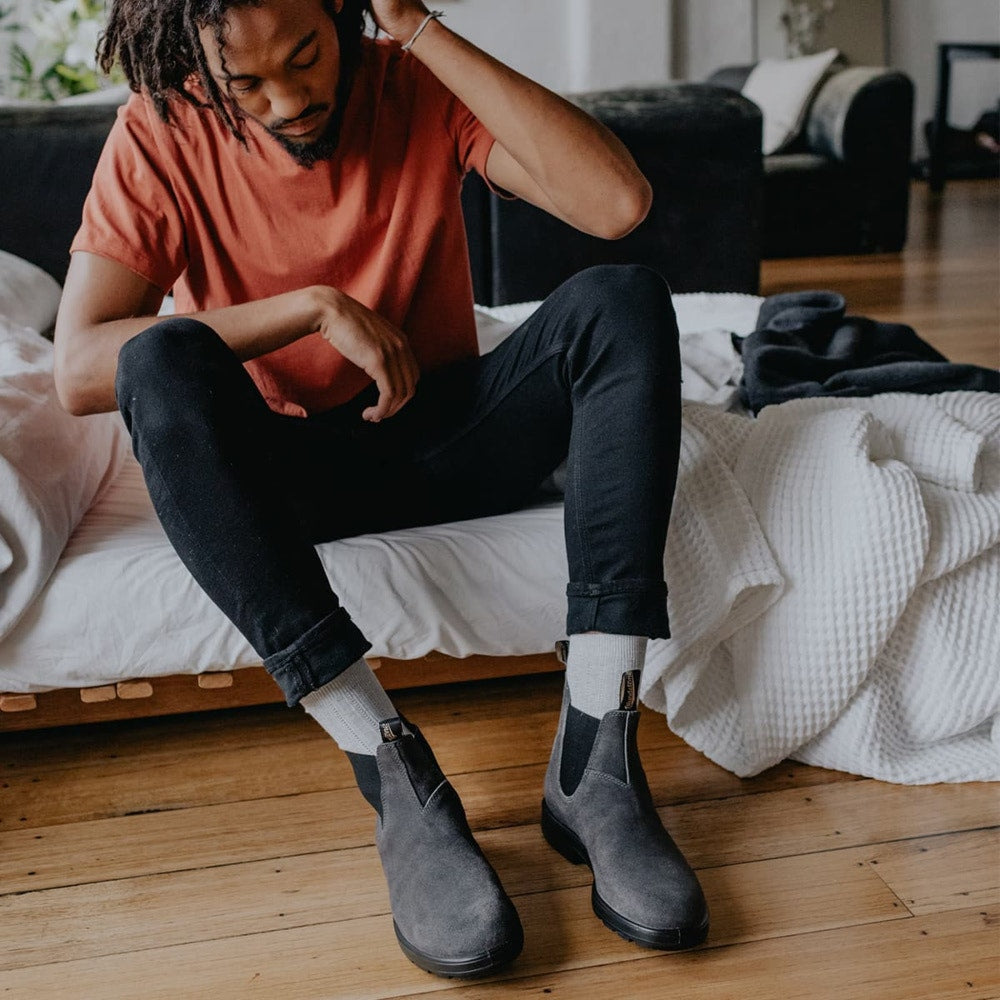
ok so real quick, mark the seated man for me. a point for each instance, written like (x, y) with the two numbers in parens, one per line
(296, 183)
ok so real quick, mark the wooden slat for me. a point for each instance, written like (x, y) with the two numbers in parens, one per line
(724, 831)
(94, 695)
(790, 895)
(132, 690)
(215, 681)
(18, 703)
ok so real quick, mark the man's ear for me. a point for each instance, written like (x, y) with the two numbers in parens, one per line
(338, 6)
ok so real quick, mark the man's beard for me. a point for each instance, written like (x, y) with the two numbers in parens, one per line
(308, 154)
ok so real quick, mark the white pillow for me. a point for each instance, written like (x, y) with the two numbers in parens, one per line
(782, 89)
(52, 466)
(28, 295)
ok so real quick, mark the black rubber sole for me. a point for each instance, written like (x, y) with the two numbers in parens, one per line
(561, 839)
(464, 968)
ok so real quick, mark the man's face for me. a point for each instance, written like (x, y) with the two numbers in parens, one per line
(280, 64)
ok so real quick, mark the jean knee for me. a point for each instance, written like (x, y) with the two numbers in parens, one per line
(154, 359)
(636, 303)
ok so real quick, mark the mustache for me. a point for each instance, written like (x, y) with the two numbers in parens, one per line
(313, 109)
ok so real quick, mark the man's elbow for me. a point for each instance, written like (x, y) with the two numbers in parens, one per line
(71, 399)
(629, 210)
(71, 390)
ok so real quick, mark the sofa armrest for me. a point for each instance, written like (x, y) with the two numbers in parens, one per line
(863, 117)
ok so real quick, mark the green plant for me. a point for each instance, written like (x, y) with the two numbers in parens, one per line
(53, 55)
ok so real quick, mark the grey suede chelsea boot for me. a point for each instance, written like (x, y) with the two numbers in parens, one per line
(450, 913)
(598, 811)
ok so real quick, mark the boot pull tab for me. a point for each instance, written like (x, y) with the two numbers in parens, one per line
(562, 651)
(391, 729)
(628, 693)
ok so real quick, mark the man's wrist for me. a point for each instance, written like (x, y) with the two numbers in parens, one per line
(429, 25)
(408, 25)
(321, 302)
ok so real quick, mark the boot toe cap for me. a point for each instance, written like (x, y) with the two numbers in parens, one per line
(669, 922)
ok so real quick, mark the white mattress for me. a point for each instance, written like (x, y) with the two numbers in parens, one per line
(121, 604)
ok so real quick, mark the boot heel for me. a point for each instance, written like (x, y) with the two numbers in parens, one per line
(561, 839)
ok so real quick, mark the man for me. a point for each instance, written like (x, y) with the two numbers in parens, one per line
(297, 185)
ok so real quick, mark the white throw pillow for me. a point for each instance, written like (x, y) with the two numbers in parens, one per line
(52, 467)
(28, 295)
(782, 89)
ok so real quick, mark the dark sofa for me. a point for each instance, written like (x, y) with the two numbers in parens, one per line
(699, 146)
(844, 186)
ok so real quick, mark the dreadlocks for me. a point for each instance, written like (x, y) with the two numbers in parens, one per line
(157, 44)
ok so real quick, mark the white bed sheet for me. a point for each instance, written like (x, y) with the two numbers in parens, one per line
(121, 604)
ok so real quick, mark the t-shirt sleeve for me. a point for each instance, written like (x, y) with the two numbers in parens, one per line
(472, 141)
(131, 215)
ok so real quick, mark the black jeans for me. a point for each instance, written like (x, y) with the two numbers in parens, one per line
(244, 494)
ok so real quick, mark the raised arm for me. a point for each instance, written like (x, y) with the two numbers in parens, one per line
(547, 151)
(104, 304)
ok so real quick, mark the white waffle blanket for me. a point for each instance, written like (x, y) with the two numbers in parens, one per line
(835, 585)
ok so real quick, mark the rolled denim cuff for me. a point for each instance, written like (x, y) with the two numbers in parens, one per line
(317, 656)
(621, 607)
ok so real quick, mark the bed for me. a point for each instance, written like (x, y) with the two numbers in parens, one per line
(470, 609)
(833, 565)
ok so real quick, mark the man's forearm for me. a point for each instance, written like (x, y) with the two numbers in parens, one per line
(87, 357)
(582, 168)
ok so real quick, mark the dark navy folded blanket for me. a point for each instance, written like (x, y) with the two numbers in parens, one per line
(805, 345)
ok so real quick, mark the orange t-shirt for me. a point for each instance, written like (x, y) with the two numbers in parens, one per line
(187, 207)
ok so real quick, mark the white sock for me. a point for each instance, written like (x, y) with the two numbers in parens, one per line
(350, 707)
(595, 666)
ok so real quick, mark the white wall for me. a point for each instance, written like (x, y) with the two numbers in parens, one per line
(855, 27)
(571, 45)
(916, 27)
(709, 34)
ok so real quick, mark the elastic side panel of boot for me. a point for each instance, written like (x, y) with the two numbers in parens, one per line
(579, 733)
(611, 747)
(367, 776)
(636, 772)
(420, 764)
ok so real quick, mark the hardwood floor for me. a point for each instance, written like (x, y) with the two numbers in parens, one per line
(228, 854)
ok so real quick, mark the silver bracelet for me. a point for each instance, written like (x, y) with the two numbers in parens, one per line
(432, 16)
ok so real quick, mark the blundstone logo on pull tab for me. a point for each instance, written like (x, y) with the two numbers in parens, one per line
(392, 729)
(628, 693)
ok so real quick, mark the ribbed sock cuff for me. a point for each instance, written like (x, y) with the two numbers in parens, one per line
(595, 666)
(350, 708)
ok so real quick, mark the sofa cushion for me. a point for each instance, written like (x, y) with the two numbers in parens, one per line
(782, 89)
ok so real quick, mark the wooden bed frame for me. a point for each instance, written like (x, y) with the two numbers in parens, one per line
(135, 699)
